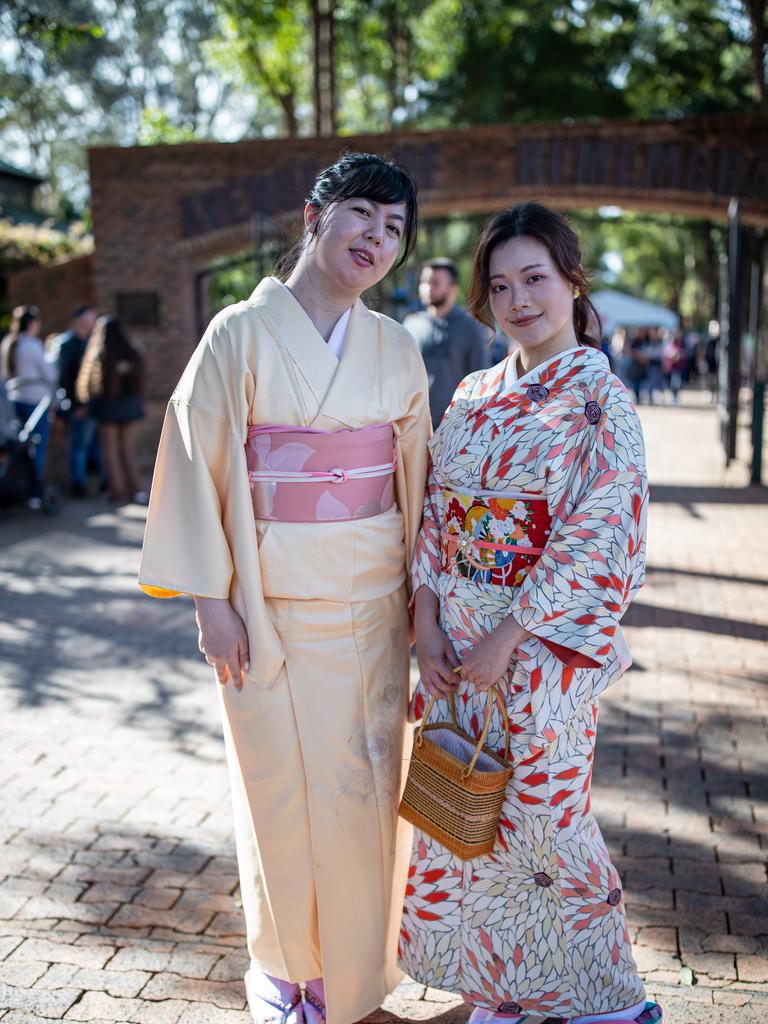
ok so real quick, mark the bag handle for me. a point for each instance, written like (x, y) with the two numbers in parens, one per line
(493, 694)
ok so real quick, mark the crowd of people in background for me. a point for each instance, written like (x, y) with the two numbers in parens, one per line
(90, 381)
(92, 376)
(652, 362)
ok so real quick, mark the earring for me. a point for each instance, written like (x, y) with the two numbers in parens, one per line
(576, 293)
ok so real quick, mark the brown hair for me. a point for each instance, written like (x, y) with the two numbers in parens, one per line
(112, 367)
(21, 318)
(443, 263)
(533, 220)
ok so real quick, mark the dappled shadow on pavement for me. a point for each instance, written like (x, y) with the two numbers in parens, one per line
(641, 614)
(426, 1012)
(78, 631)
(690, 495)
(654, 572)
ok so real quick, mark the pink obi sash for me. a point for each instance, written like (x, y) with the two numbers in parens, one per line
(301, 475)
(493, 536)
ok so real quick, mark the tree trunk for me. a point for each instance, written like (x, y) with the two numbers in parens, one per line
(324, 70)
(757, 19)
(287, 101)
(285, 98)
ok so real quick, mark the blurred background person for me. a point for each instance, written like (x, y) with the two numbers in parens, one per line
(29, 377)
(638, 360)
(111, 383)
(654, 364)
(83, 441)
(710, 356)
(675, 363)
(452, 342)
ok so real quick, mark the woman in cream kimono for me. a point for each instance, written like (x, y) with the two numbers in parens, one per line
(531, 550)
(287, 499)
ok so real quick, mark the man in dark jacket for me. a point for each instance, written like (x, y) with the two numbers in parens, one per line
(452, 342)
(82, 428)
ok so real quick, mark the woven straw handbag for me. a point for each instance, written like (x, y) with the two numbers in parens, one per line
(455, 785)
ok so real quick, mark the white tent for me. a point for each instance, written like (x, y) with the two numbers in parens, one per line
(618, 309)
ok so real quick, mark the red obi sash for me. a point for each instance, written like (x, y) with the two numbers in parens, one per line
(301, 475)
(493, 537)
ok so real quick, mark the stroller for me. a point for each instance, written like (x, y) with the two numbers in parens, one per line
(18, 475)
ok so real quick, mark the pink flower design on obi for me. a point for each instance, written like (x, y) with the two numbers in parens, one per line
(289, 457)
(329, 508)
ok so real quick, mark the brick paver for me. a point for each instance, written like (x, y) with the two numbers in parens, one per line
(118, 887)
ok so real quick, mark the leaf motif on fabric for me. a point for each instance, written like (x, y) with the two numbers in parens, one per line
(262, 446)
(329, 508)
(289, 457)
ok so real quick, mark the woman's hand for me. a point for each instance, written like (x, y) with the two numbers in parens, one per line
(222, 639)
(484, 664)
(434, 651)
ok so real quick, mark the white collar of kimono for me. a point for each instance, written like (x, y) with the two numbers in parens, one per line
(338, 334)
(512, 373)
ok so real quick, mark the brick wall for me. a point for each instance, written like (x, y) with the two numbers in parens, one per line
(57, 288)
(162, 212)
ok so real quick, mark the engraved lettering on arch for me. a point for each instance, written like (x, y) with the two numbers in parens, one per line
(423, 159)
(664, 166)
(757, 181)
(528, 162)
(594, 162)
(233, 202)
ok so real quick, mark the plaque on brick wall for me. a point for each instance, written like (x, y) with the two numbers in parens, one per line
(138, 309)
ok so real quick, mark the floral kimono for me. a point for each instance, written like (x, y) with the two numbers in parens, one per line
(536, 508)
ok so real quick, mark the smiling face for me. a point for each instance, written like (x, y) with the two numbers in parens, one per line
(358, 242)
(530, 298)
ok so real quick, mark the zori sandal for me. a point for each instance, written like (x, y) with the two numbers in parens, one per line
(314, 1007)
(650, 1014)
(274, 1002)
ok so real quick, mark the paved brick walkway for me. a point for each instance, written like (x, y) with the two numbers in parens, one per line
(117, 881)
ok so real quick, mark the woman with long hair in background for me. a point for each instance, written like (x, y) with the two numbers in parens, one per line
(111, 380)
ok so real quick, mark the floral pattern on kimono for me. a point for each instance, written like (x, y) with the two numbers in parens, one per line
(537, 926)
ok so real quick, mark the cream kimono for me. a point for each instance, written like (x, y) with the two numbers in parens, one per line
(314, 739)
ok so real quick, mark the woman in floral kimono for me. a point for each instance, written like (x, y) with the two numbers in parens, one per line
(531, 549)
(287, 498)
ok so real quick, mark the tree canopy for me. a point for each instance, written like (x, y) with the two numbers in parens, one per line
(150, 71)
(143, 71)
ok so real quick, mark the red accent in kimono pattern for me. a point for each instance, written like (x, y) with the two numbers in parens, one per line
(539, 924)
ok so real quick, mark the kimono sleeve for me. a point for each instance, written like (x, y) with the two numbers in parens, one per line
(186, 550)
(412, 434)
(575, 595)
(426, 567)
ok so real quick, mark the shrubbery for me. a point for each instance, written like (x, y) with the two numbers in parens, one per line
(25, 245)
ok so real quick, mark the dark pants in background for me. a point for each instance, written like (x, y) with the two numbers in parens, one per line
(83, 444)
(42, 431)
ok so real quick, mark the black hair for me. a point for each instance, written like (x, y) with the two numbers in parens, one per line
(364, 176)
(443, 263)
(78, 311)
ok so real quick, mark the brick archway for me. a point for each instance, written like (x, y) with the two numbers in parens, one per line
(162, 213)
